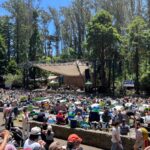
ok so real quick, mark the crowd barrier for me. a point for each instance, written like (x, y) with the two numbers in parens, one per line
(98, 139)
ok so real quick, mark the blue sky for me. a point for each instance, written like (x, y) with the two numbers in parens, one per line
(44, 4)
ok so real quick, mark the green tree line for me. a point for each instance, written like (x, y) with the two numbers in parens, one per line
(113, 35)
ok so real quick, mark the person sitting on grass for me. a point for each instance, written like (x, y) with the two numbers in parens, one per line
(60, 118)
(79, 118)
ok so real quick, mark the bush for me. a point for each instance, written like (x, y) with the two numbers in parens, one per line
(12, 67)
(13, 80)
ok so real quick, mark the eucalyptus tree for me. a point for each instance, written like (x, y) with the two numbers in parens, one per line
(56, 18)
(148, 11)
(6, 30)
(73, 24)
(20, 14)
(35, 48)
(2, 55)
(45, 20)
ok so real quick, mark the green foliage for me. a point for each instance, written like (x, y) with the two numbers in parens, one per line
(101, 33)
(137, 42)
(68, 54)
(15, 80)
(12, 67)
(145, 82)
(23, 98)
(45, 59)
(24, 36)
(2, 56)
(102, 39)
(136, 29)
(35, 49)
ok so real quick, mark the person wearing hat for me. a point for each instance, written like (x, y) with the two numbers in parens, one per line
(33, 141)
(73, 142)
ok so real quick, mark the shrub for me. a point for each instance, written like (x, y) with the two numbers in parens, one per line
(13, 80)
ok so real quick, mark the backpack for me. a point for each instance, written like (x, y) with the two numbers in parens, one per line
(144, 133)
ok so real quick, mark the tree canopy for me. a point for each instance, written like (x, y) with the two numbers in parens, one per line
(113, 35)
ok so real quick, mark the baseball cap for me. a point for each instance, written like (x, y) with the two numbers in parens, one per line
(74, 138)
(35, 131)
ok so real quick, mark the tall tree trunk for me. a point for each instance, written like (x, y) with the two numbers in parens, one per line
(132, 5)
(17, 40)
(139, 8)
(109, 73)
(8, 41)
(148, 10)
(137, 70)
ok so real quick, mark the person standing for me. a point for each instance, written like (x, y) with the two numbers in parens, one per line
(116, 140)
(8, 117)
(141, 136)
(49, 137)
(25, 125)
(33, 141)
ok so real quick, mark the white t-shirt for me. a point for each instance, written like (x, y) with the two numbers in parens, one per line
(79, 118)
(25, 119)
(147, 119)
(31, 144)
(115, 133)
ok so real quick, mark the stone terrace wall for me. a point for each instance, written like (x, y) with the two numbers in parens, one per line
(93, 138)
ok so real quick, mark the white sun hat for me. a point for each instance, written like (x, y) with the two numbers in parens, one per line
(35, 131)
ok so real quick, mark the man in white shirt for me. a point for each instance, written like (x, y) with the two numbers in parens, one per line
(33, 142)
(116, 140)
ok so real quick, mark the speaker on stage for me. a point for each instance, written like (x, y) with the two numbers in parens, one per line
(87, 75)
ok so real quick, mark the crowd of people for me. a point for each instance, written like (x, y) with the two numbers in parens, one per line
(35, 141)
(120, 116)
